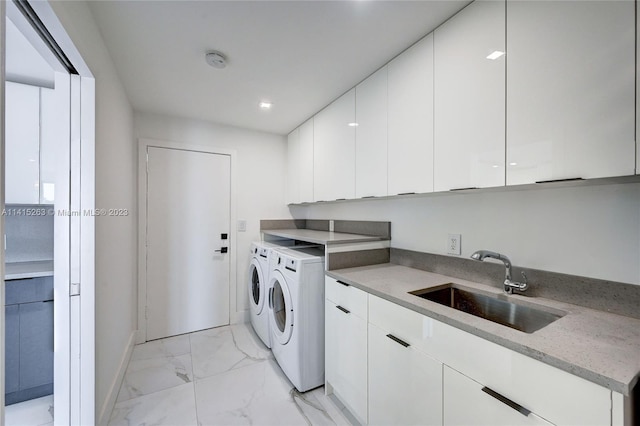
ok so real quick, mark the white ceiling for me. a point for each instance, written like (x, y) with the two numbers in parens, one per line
(300, 55)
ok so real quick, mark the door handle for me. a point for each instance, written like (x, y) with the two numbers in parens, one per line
(271, 298)
(222, 250)
(519, 408)
(346, 311)
(399, 341)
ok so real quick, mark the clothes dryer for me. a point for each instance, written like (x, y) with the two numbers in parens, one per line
(296, 318)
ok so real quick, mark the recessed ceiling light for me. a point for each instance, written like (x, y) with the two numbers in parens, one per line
(265, 105)
(513, 164)
(495, 55)
(495, 166)
(216, 59)
(353, 124)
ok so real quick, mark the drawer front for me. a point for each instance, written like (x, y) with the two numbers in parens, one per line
(28, 290)
(410, 326)
(405, 385)
(556, 395)
(346, 296)
(466, 402)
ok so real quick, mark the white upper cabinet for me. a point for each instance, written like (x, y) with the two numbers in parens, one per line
(293, 167)
(334, 153)
(22, 144)
(55, 105)
(300, 164)
(305, 158)
(410, 120)
(371, 136)
(469, 144)
(570, 90)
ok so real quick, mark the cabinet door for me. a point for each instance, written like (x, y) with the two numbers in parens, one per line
(334, 174)
(36, 344)
(371, 136)
(405, 385)
(293, 167)
(12, 349)
(469, 142)
(305, 161)
(570, 90)
(466, 403)
(22, 147)
(56, 129)
(410, 156)
(346, 358)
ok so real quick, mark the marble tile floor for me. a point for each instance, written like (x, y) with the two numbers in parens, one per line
(36, 412)
(220, 376)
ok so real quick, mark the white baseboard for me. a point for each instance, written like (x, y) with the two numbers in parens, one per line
(110, 401)
(240, 317)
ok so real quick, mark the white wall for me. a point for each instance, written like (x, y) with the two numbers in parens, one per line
(591, 231)
(116, 178)
(260, 179)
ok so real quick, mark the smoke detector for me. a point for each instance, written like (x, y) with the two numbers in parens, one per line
(216, 59)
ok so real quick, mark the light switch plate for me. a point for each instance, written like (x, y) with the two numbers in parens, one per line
(453, 244)
(242, 225)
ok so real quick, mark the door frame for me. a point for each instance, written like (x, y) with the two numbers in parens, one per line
(77, 392)
(143, 145)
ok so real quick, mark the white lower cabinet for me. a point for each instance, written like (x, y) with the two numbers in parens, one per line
(405, 385)
(346, 347)
(407, 368)
(467, 402)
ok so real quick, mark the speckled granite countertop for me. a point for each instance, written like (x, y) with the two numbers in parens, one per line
(598, 346)
(321, 237)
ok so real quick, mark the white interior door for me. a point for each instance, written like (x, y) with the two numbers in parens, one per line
(188, 209)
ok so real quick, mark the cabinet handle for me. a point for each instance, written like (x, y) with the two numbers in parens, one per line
(519, 408)
(406, 193)
(560, 180)
(343, 283)
(463, 189)
(399, 341)
(346, 311)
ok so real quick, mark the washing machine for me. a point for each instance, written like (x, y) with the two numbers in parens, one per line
(296, 317)
(259, 275)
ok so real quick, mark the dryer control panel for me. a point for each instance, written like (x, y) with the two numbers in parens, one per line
(291, 264)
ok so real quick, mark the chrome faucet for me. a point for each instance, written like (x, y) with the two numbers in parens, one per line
(509, 285)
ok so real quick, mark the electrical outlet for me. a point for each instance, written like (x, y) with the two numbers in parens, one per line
(330, 226)
(453, 244)
(242, 225)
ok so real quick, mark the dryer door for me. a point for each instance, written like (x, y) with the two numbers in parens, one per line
(257, 292)
(282, 309)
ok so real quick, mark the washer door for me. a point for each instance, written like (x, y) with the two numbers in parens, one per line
(282, 309)
(257, 291)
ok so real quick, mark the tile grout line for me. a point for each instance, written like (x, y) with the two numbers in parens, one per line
(193, 375)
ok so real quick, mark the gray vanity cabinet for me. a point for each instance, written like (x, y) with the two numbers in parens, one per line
(12, 348)
(28, 339)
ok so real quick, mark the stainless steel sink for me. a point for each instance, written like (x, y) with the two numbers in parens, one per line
(491, 307)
